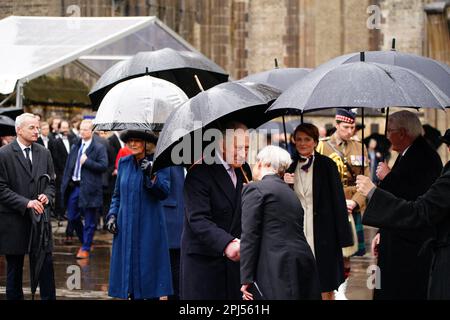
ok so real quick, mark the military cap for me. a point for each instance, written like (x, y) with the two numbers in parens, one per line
(344, 115)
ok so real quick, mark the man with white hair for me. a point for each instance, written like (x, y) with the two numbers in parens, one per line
(22, 163)
(404, 273)
(210, 242)
(277, 262)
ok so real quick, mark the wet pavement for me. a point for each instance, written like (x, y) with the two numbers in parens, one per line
(94, 272)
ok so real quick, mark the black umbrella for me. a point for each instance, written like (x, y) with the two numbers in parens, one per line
(12, 112)
(360, 84)
(178, 67)
(241, 101)
(280, 78)
(41, 241)
(435, 71)
(7, 126)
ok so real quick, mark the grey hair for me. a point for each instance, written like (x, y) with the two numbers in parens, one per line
(408, 121)
(22, 118)
(278, 158)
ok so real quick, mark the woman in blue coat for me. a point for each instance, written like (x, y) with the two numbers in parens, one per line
(140, 263)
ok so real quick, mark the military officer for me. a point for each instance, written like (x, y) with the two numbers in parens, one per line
(346, 151)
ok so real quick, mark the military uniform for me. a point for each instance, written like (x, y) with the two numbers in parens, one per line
(349, 165)
(347, 156)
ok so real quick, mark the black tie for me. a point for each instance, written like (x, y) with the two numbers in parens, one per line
(27, 152)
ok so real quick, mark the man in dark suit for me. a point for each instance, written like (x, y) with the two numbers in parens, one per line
(404, 273)
(44, 138)
(82, 185)
(210, 242)
(431, 209)
(60, 152)
(21, 164)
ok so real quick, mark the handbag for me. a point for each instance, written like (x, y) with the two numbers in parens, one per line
(347, 252)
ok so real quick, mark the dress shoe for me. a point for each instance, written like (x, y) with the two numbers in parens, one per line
(82, 254)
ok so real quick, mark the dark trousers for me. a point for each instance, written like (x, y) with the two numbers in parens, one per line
(175, 268)
(14, 271)
(84, 232)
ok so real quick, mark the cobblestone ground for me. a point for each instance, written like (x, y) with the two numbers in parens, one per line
(94, 272)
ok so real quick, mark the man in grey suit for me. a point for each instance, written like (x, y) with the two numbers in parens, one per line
(22, 162)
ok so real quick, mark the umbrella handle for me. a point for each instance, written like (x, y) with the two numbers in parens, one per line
(199, 83)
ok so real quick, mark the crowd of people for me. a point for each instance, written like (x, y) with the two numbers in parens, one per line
(284, 229)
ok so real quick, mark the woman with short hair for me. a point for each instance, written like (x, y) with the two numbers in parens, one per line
(315, 180)
(276, 260)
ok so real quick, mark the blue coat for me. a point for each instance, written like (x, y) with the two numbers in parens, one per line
(140, 262)
(174, 207)
(91, 192)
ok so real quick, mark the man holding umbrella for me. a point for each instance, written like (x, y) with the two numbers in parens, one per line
(210, 245)
(21, 164)
(346, 152)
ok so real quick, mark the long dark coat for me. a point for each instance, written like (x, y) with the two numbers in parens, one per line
(140, 263)
(212, 220)
(274, 252)
(17, 187)
(398, 252)
(432, 209)
(91, 192)
(330, 222)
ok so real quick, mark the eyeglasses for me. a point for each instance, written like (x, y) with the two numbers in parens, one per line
(391, 130)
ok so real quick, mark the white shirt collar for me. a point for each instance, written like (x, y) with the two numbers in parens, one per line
(22, 146)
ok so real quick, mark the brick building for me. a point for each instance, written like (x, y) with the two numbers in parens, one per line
(245, 36)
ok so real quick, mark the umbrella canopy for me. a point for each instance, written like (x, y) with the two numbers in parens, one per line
(361, 84)
(138, 103)
(435, 71)
(241, 101)
(178, 67)
(278, 78)
(41, 241)
(7, 126)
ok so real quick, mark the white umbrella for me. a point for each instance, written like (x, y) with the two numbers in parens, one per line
(138, 103)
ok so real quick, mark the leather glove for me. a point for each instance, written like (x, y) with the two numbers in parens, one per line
(111, 225)
(146, 166)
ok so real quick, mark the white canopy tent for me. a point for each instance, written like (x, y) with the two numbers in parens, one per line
(33, 46)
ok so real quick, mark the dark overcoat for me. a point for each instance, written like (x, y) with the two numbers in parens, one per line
(398, 253)
(212, 220)
(330, 222)
(432, 209)
(17, 187)
(274, 252)
(91, 192)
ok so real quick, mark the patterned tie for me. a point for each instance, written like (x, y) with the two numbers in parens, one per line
(27, 152)
(78, 165)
